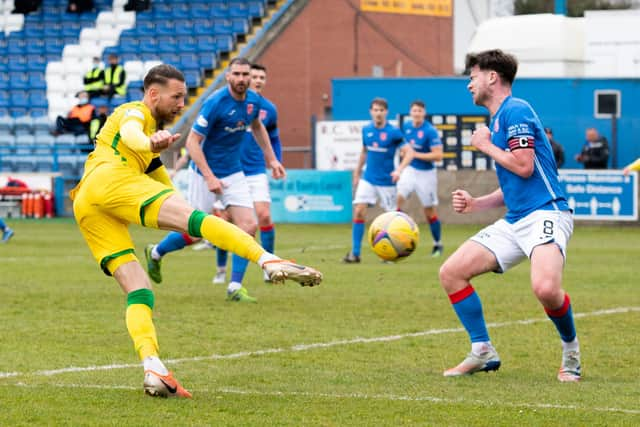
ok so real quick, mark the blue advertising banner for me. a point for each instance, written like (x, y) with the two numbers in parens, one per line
(601, 194)
(311, 196)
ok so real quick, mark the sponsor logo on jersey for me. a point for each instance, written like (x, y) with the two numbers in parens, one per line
(202, 122)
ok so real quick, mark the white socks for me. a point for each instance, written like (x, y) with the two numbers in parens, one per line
(571, 346)
(233, 286)
(152, 363)
(266, 257)
(479, 348)
(154, 253)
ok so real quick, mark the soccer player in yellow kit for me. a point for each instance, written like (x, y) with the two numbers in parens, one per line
(125, 183)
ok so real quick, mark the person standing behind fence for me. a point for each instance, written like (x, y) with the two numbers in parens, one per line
(558, 151)
(595, 151)
(114, 83)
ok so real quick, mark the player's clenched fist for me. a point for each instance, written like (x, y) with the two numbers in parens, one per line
(161, 140)
(461, 201)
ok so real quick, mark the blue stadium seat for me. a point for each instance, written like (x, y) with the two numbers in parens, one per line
(256, 9)
(187, 44)
(148, 45)
(37, 62)
(224, 43)
(23, 124)
(199, 10)
(6, 125)
(38, 99)
(167, 44)
(170, 58)
(19, 98)
(189, 61)
(222, 27)
(129, 46)
(180, 11)
(203, 28)
(37, 81)
(219, 10)
(240, 26)
(208, 61)
(24, 164)
(238, 10)
(192, 78)
(18, 80)
(184, 28)
(16, 47)
(17, 63)
(7, 140)
(17, 111)
(54, 45)
(38, 111)
(52, 30)
(67, 165)
(206, 44)
(43, 163)
(165, 28)
(5, 99)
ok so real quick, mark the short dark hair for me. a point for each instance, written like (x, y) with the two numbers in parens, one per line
(505, 64)
(379, 101)
(161, 74)
(240, 60)
(548, 130)
(418, 103)
(259, 67)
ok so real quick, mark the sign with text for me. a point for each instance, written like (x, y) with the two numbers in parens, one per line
(409, 7)
(311, 196)
(601, 194)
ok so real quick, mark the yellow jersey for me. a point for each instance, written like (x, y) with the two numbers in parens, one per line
(109, 146)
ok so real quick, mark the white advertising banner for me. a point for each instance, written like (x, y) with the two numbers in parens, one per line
(338, 144)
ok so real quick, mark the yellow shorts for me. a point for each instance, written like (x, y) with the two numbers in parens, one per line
(107, 200)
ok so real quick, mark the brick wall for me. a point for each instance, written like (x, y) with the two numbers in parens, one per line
(326, 40)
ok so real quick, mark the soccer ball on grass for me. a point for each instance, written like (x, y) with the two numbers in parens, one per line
(393, 236)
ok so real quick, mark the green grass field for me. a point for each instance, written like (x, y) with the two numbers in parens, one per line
(368, 347)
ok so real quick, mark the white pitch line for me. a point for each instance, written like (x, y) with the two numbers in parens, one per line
(359, 396)
(305, 347)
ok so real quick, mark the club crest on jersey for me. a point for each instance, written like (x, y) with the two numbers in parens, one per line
(496, 126)
(383, 136)
(249, 108)
(420, 134)
(263, 114)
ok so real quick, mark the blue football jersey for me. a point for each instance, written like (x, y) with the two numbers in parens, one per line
(223, 122)
(516, 126)
(381, 145)
(421, 138)
(252, 155)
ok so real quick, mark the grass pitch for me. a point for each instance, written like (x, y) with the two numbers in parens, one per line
(367, 347)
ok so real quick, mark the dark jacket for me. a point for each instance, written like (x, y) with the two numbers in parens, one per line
(595, 155)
